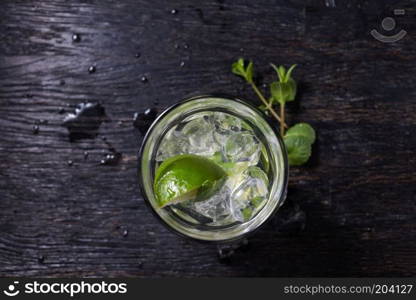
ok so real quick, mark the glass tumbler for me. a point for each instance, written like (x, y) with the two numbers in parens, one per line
(265, 132)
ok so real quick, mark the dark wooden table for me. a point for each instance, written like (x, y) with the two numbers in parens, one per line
(351, 210)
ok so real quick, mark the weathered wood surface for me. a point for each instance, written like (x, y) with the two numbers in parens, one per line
(350, 212)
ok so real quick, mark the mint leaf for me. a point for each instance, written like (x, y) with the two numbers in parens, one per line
(298, 149)
(263, 108)
(292, 88)
(302, 129)
(249, 72)
(298, 141)
(285, 89)
(280, 72)
(289, 72)
(257, 201)
(239, 68)
(283, 92)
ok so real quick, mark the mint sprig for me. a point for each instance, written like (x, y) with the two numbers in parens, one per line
(246, 71)
(283, 90)
(299, 138)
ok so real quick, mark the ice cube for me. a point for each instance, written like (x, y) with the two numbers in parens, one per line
(225, 121)
(216, 207)
(256, 172)
(242, 146)
(250, 196)
(199, 133)
(225, 125)
(173, 143)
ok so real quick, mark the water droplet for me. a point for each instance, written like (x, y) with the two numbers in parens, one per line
(70, 162)
(92, 69)
(111, 158)
(137, 55)
(85, 121)
(62, 82)
(41, 259)
(150, 112)
(125, 232)
(143, 79)
(241, 49)
(86, 153)
(35, 129)
(182, 64)
(225, 254)
(330, 3)
(176, 46)
(142, 121)
(186, 46)
(76, 37)
(173, 11)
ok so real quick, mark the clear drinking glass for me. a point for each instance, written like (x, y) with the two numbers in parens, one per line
(273, 152)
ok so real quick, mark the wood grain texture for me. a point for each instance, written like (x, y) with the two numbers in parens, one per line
(350, 212)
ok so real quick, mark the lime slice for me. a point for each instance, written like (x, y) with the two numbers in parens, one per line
(186, 177)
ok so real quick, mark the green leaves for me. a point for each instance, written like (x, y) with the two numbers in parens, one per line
(239, 68)
(299, 138)
(298, 150)
(281, 72)
(285, 89)
(298, 141)
(283, 92)
(304, 130)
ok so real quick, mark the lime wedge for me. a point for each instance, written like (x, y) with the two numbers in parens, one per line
(186, 177)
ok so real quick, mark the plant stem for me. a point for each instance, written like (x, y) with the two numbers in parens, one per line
(282, 118)
(268, 106)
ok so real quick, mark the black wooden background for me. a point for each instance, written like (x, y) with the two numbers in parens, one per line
(350, 210)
